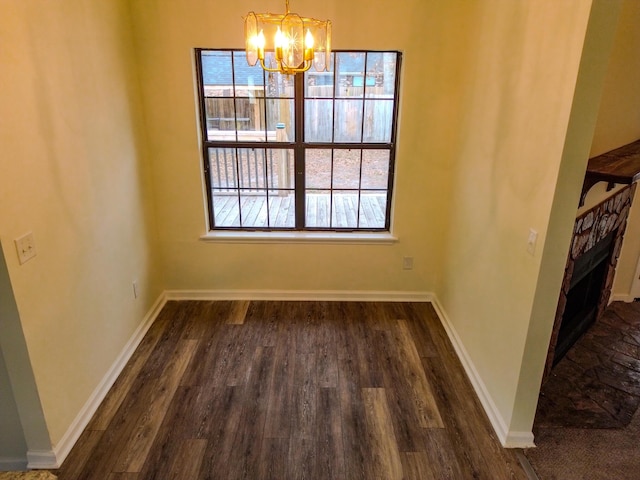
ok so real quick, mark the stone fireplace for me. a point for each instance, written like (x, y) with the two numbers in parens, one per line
(589, 272)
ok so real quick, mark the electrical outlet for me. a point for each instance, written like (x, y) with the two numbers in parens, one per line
(531, 241)
(407, 263)
(26, 247)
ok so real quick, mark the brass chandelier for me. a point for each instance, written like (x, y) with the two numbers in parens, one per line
(296, 42)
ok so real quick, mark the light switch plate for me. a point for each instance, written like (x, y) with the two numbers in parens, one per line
(531, 241)
(26, 247)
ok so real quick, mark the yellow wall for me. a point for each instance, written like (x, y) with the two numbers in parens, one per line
(600, 32)
(486, 98)
(619, 114)
(74, 172)
(430, 35)
(619, 124)
(487, 92)
(521, 85)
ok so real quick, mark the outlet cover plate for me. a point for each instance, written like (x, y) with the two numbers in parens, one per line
(25, 247)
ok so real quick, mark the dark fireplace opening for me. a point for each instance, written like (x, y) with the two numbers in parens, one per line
(583, 297)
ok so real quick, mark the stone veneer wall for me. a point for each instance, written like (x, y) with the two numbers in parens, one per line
(591, 227)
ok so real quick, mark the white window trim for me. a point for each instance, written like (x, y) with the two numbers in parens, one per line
(327, 238)
(276, 235)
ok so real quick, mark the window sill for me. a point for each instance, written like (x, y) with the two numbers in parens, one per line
(328, 238)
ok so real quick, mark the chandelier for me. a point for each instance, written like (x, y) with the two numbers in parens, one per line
(296, 43)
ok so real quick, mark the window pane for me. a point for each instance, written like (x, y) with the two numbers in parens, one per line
(346, 168)
(223, 169)
(318, 208)
(282, 212)
(375, 169)
(381, 74)
(378, 117)
(373, 208)
(344, 213)
(318, 84)
(280, 120)
(220, 119)
(280, 170)
(254, 208)
(317, 167)
(249, 120)
(252, 173)
(249, 81)
(348, 121)
(216, 74)
(278, 85)
(350, 74)
(318, 120)
(226, 209)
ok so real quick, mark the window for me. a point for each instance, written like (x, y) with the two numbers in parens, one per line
(304, 152)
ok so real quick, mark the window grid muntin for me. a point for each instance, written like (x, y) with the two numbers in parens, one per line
(332, 188)
(258, 167)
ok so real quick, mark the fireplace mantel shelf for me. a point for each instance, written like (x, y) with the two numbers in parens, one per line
(621, 166)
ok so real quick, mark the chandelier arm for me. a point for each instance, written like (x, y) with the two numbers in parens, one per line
(286, 70)
(269, 69)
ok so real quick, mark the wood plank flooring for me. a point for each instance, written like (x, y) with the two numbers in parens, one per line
(292, 390)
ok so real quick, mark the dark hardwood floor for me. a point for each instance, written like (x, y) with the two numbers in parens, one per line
(292, 390)
(597, 384)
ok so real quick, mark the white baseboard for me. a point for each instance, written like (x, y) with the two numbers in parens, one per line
(13, 464)
(519, 440)
(300, 295)
(507, 438)
(38, 459)
(620, 297)
(53, 459)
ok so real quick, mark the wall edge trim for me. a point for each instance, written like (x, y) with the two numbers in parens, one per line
(507, 438)
(71, 436)
(622, 297)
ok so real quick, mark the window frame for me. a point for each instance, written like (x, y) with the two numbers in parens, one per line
(299, 146)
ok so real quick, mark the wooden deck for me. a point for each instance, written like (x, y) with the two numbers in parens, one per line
(321, 212)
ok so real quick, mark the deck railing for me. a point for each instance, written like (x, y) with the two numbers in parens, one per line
(247, 169)
(251, 170)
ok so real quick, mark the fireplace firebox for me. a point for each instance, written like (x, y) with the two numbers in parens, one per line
(583, 297)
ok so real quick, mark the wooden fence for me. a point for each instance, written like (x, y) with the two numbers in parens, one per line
(346, 119)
